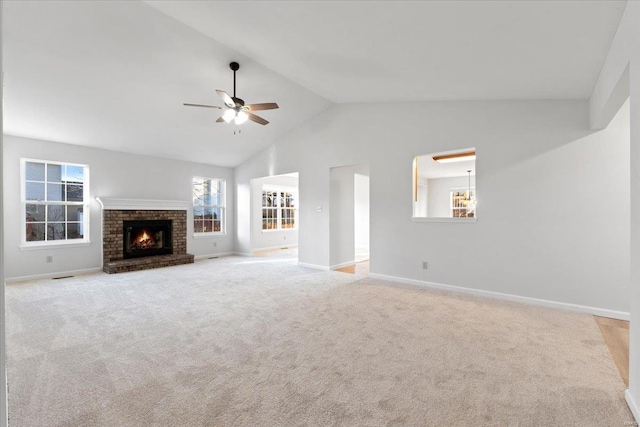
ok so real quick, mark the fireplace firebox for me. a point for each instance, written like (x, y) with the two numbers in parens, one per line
(146, 238)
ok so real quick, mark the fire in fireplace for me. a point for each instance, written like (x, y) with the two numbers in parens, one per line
(147, 238)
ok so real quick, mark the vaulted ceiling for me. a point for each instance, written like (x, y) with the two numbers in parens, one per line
(114, 75)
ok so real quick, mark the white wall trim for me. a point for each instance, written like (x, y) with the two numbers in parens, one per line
(52, 275)
(242, 254)
(508, 297)
(218, 255)
(4, 407)
(270, 248)
(635, 409)
(54, 244)
(344, 264)
(209, 235)
(443, 219)
(314, 266)
(133, 204)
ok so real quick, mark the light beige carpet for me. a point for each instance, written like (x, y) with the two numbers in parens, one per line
(263, 342)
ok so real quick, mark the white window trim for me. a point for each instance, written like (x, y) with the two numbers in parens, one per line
(278, 189)
(223, 210)
(442, 219)
(48, 244)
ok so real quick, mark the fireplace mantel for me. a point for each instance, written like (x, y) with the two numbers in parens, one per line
(141, 204)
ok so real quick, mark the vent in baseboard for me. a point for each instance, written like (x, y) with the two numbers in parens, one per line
(61, 277)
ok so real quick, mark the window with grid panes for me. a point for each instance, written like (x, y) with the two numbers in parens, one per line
(55, 202)
(208, 205)
(463, 202)
(278, 209)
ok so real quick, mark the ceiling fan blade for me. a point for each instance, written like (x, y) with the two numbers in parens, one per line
(265, 106)
(257, 119)
(226, 98)
(202, 105)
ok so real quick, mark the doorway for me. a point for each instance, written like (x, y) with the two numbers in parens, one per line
(274, 215)
(349, 218)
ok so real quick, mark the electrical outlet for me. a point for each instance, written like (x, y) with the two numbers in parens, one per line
(284, 237)
(49, 259)
(425, 265)
(215, 244)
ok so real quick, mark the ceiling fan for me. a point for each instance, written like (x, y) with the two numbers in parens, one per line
(235, 109)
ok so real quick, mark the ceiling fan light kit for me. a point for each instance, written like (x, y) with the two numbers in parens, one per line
(236, 110)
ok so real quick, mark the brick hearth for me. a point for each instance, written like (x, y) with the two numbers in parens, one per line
(112, 226)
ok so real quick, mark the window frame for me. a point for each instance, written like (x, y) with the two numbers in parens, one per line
(86, 220)
(278, 207)
(222, 207)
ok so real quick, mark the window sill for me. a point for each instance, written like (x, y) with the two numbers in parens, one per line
(53, 245)
(208, 235)
(458, 220)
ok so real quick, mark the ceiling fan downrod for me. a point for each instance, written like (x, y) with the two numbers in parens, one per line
(235, 67)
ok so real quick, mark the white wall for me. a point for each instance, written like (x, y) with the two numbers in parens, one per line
(112, 174)
(341, 216)
(612, 87)
(619, 78)
(439, 198)
(361, 215)
(421, 205)
(343, 213)
(633, 395)
(263, 239)
(568, 242)
(3, 370)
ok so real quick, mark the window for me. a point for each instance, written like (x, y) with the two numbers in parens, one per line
(55, 199)
(278, 208)
(463, 202)
(208, 205)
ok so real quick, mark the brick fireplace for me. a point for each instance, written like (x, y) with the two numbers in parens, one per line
(118, 212)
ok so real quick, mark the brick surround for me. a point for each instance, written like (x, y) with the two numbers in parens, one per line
(112, 240)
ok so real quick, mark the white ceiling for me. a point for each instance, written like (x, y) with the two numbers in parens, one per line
(430, 169)
(380, 51)
(114, 75)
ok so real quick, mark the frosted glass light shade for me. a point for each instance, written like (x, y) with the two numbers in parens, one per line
(241, 117)
(229, 115)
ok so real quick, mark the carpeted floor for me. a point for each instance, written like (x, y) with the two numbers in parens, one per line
(263, 342)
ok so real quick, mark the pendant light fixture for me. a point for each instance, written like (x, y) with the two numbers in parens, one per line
(469, 202)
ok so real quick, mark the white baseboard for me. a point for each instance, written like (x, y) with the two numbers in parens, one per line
(270, 248)
(621, 315)
(218, 255)
(314, 266)
(52, 275)
(344, 264)
(635, 410)
(241, 254)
